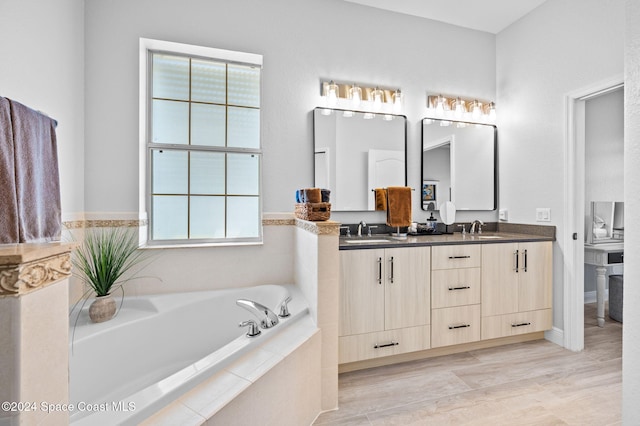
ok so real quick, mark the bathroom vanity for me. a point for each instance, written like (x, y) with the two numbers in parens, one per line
(433, 295)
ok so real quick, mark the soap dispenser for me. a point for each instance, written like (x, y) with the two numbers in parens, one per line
(432, 224)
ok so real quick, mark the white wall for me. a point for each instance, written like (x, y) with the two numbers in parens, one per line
(303, 42)
(42, 51)
(631, 329)
(560, 47)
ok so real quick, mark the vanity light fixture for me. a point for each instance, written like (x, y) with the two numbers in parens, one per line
(361, 98)
(460, 109)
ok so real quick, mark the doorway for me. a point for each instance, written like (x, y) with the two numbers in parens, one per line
(575, 201)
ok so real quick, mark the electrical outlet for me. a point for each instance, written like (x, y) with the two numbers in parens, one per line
(503, 215)
(543, 214)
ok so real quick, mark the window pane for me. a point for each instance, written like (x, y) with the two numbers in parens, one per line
(243, 217)
(169, 170)
(169, 217)
(243, 172)
(244, 128)
(208, 81)
(207, 124)
(207, 173)
(170, 122)
(244, 86)
(170, 77)
(207, 217)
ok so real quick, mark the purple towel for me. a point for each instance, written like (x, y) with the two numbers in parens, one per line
(8, 201)
(37, 180)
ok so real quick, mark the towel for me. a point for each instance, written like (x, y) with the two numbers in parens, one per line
(398, 206)
(9, 203)
(313, 195)
(37, 179)
(381, 199)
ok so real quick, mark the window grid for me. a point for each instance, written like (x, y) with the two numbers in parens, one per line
(190, 148)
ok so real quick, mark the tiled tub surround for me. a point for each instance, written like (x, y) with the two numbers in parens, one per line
(33, 338)
(201, 359)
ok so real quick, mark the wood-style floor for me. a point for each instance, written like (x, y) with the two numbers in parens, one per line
(534, 383)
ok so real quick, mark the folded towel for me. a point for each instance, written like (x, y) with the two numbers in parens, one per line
(313, 195)
(9, 204)
(381, 199)
(36, 174)
(326, 195)
(398, 206)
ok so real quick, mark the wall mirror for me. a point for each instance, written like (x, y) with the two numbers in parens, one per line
(458, 165)
(356, 152)
(605, 223)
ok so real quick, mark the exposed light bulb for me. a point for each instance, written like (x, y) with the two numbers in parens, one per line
(355, 94)
(376, 96)
(477, 110)
(459, 108)
(492, 111)
(332, 93)
(440, 106)
(397, 101)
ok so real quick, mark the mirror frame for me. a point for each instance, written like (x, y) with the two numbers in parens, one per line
(495, 162)
(406, 154)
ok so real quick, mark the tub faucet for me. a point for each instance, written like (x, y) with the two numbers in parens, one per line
(266, 316)
(472, 228)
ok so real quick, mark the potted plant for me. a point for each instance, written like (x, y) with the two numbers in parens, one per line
(100, 262)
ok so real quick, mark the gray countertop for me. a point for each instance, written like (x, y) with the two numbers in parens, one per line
(387, 241)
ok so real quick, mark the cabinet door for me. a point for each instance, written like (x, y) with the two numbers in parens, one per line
(361, 291)
(536, 276)
(407, 289)
(499, 278)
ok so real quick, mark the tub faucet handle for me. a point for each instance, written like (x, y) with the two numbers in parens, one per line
(284, 309)
(253, 330)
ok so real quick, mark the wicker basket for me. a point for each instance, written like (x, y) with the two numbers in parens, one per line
(313, 211)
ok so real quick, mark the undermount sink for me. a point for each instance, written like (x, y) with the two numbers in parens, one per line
(489, 237)
(366, 241)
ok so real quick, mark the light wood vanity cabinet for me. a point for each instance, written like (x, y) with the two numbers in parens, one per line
(455, 294)
(384, 302)
(399, 300)
(516, 288)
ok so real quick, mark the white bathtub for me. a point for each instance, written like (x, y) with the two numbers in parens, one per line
(159, 347)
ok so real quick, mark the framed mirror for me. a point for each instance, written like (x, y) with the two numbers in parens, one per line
(356, 152)
(458, 164)
(605, 223)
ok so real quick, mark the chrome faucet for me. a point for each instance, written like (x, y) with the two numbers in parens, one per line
(361, 225)
(472, 228)
(265, 315)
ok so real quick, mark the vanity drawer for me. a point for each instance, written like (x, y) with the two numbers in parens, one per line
(455, 256)
(359, 347)
(452, 326)
(455, 287)
(514, 324)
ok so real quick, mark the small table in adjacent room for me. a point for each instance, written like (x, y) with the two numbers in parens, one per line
(602, 256)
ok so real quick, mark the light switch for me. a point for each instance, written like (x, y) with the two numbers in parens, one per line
(543, 214)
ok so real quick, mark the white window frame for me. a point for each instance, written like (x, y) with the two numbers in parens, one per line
(147, 47)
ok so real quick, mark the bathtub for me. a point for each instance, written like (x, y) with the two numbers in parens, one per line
(159, 347)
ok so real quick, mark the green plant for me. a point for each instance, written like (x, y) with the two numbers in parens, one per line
(105, 255)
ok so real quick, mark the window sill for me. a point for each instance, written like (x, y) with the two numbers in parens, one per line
(200, 245)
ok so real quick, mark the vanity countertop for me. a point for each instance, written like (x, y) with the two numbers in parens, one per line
(387, 241)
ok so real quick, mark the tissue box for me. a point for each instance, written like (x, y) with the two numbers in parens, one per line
(313, 211)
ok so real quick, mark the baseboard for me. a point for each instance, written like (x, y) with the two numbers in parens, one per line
(555, 335)
(590, 296)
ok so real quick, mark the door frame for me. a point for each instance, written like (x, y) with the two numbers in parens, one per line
(574, 155)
